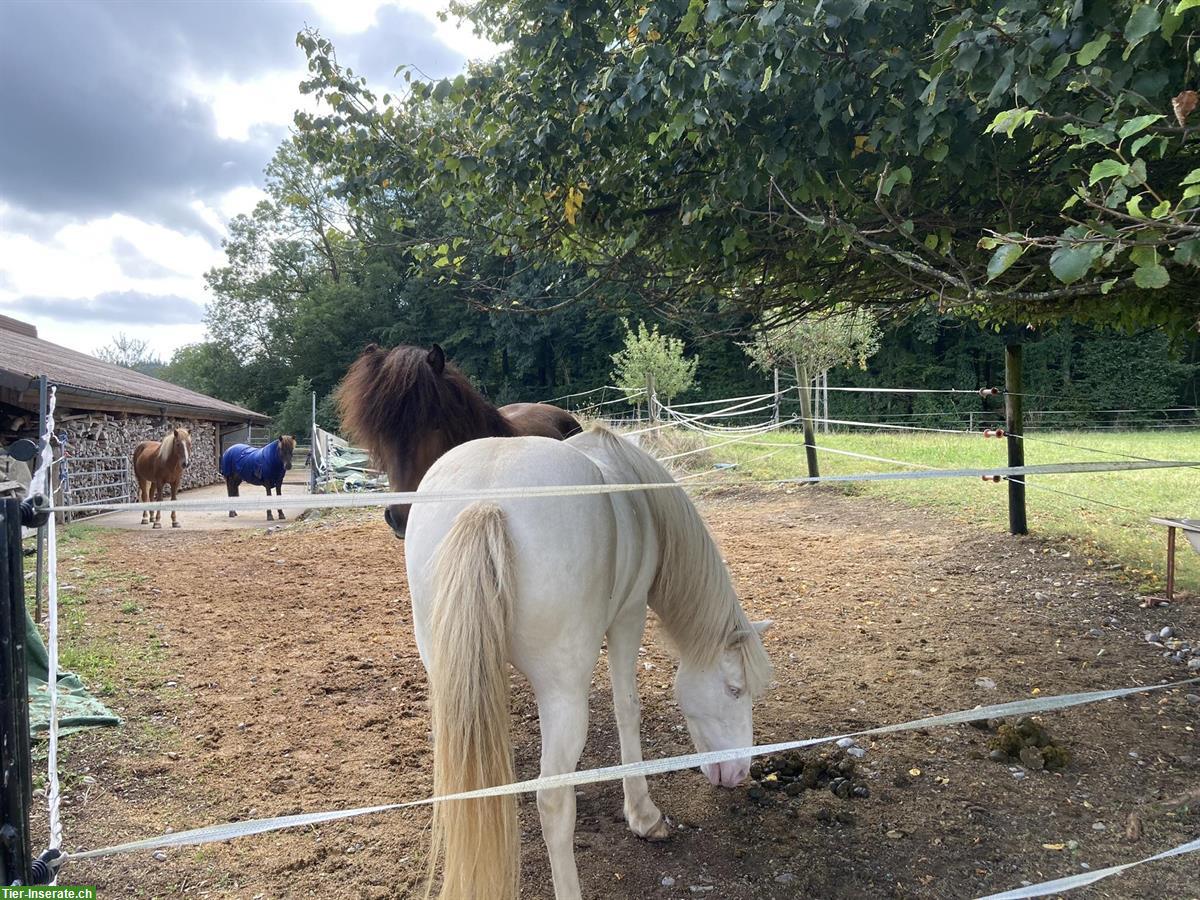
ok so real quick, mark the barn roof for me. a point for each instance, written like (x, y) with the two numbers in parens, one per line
(89, 383)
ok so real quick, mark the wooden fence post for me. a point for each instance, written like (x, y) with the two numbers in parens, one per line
(804, 387)
(1014, 426)
(775, 416)
(15, 765)
(651, 400)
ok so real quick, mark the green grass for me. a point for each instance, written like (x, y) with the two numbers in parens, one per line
(84, 575)
(1100, 533)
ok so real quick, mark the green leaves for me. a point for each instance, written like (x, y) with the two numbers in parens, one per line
(1003, 259)
(1145, 19)
(902, 175)
(1088, 52)
(1108, 168)
(1151, 277)
(1139, 123)
(1069, 264)
(1012, 119)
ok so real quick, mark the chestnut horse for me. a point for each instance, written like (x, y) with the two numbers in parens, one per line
(157, 464)
(408, 406)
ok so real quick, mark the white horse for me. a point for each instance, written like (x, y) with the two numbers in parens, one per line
(540, 583)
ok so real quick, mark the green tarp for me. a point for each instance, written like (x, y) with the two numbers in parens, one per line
(77, 709)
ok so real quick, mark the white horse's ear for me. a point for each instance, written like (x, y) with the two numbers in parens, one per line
(763, 626)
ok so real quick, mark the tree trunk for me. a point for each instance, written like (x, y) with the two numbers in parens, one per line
(804, 386)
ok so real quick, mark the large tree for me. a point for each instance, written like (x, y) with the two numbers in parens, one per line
(1016, 161)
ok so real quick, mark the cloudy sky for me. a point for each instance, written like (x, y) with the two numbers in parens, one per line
(131, 131)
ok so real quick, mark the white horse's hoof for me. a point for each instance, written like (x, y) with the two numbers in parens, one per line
(660, 831)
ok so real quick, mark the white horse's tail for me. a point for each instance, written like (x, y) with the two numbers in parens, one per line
(476, 841)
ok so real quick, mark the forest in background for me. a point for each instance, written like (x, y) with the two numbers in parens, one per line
(308, 284)
(950, 169)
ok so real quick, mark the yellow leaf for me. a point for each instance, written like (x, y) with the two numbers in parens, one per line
(1054, 846)
(632, 34)
(860, 145)
(914, 771)
(572, 204)
(1036, 691)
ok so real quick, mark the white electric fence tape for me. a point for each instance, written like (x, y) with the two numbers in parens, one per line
(612, 773)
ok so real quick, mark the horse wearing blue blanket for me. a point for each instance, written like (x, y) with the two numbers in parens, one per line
(265, 466)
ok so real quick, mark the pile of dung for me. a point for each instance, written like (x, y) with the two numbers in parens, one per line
(1027, 742)
(793, 773)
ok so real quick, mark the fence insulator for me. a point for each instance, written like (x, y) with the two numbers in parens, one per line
(993, 432)
(988, 392)
(992, 478)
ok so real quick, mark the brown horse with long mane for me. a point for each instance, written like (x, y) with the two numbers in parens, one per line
(408, 406)
(157, 464)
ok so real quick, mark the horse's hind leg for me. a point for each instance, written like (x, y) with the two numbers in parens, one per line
(563, 719)
(624, 635)
(231, 488)
(174, 492)
(270, 515)
(279, 493)
(144, 496)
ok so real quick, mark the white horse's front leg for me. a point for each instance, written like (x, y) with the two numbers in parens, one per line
(564, 731)
(624, 636)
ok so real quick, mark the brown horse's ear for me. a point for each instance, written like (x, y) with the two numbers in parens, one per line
(436, 359)
(370, 348)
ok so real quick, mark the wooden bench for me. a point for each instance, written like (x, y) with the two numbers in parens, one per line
(1190, 527)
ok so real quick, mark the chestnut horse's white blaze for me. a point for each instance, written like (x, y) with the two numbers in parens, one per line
(540, 584)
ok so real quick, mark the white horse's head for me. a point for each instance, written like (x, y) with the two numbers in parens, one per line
(716, 700)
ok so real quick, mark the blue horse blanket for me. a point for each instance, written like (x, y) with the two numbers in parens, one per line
(262, 467)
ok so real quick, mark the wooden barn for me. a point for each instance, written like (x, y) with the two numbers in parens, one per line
(103, 411)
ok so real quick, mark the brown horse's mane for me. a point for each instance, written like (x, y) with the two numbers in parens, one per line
(166, 448)
(390, 399)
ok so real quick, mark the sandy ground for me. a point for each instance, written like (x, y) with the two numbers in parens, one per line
(265, 674)
(296, 482)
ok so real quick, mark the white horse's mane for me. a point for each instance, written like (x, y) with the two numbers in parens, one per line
(692, 592)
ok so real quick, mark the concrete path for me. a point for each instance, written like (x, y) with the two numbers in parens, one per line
(295, 483)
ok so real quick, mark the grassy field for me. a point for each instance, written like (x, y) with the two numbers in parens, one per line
(1102, 534)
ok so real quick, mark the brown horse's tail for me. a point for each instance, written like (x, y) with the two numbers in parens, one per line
(477, 841)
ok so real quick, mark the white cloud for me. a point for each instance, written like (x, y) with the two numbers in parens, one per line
(356, 16)
(78, 262)
(120, 253)
(239, 106)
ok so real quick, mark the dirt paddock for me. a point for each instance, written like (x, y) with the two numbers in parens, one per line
(262, 674)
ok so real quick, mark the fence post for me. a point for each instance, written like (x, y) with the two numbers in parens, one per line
(775, 416)
(825, 402)
(1014, 426)
(804, 387)
(312, 448)
(43, 403)
(651, 398)
(15, 766)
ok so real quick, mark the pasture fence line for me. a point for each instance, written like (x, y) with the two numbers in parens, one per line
(246, 828)
(387, 498)
(228, 831)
